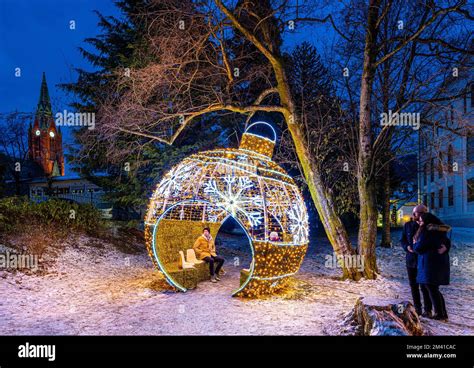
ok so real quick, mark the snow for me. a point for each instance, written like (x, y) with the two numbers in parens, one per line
(98, 290)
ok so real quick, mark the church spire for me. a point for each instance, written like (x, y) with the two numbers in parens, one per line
(43, 111)
(44, 139)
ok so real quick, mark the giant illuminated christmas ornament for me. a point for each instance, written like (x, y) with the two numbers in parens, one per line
(208, 187)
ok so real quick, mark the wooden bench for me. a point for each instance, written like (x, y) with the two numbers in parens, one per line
(188, 277)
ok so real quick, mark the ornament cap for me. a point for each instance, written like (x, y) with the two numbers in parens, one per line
(257, 142)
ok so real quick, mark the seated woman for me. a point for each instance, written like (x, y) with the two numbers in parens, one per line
(205, 250)
(274, 236)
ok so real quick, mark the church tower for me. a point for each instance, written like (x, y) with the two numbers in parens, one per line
(44, 139)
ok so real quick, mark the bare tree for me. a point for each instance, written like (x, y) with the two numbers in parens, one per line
(409, 51)
(14, 143)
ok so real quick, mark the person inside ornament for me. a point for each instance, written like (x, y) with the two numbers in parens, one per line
(274, 236)
(205, 250)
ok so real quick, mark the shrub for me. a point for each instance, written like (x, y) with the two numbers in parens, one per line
(13, 211)
(61, 215)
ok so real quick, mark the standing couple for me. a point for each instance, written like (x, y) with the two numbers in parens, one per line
(427, 246)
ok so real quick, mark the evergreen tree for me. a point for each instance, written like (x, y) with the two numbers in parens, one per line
(117, 50)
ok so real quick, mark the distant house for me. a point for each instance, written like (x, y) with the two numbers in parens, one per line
(446, 159)
(405, 213)
(42, 176)
(71, 188)
(400, 213)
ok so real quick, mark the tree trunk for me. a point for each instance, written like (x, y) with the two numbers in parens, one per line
(365, 176)
(16, 174)
(386, 192)
(368, 226)
(323, 201)
(386, 213)
(382, 317)
(49, 190)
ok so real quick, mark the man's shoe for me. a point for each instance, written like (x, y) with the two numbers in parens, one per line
(217, 278)
(440, 317)
(426, 314)
(213, 279)
(418, 311)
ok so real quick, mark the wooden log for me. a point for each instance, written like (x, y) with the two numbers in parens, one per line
(383, 317)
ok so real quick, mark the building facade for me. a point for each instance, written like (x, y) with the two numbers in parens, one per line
(446, 156)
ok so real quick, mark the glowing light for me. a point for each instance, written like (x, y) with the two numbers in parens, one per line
(171, 183)
(51, 134)
(299, 223)
(246, 184)
(37, 132)
(262, 123)
(233, 197)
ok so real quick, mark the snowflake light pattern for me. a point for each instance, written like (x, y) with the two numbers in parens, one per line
(298, 223)
(230, 195)
(172, 182)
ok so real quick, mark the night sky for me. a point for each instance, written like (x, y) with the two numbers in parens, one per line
(35, 36)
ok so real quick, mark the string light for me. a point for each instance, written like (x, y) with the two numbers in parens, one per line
(208, 187)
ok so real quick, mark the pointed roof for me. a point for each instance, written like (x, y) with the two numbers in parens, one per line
(43, 111)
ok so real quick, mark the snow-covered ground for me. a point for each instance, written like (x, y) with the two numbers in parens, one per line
(98, 290)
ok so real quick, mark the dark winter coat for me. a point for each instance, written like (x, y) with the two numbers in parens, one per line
(433, 268)
(409, 231)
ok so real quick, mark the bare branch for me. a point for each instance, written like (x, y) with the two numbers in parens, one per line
(248, 35)
(323, 20)
(418, 32)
